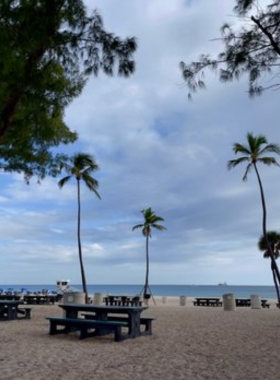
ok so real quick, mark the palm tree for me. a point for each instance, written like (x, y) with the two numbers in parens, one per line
(81, 166)
(150, 221)
(253, 153)
(274, 242)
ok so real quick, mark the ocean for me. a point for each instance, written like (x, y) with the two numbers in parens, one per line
(164, 290)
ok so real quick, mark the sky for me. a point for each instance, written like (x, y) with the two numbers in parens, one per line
(155, 149)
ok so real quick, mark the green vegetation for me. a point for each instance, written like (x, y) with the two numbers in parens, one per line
(48, 50)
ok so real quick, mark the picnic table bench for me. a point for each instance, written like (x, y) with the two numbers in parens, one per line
(145, 321)
(84, 325)
(265, 304)
(25, 312)
(36, 299)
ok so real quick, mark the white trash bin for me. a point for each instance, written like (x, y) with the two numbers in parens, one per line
(183, 300)
(97, 299)
(229, 302)
(71, 298)
(164, 300)
(256, 301)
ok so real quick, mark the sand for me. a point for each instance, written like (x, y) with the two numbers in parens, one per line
(188, 342)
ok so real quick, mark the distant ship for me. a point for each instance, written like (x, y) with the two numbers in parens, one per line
(222, 284)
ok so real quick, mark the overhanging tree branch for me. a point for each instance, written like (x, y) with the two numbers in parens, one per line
(252, 50)
(48, 50)
(269, 35)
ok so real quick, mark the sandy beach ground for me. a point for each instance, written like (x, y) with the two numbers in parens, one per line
(195, 343)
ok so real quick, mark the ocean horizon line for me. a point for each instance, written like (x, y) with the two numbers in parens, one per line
(129, 284)
(265, 291)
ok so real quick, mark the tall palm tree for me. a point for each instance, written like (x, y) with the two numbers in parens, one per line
(150, 221)
(253, 153)
(274, 242)
(81, 166)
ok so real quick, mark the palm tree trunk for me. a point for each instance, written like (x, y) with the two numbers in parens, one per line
(274, 267)
(147, 267)
(275, 281)
(80, 245)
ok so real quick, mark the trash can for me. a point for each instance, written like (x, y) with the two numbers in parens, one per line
(255, 301)
(97, 299)
(183, 300)
(229, 302)
(164, 300)
(69, 298)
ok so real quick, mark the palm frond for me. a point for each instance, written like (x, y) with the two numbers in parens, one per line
(255, 143)
(83, 160)
(137, 226)
(63, 181)
(159, 227)
(155, 219)
(66, 167)
(270, 148)
(239, 148)
(147, 212)
(268, 161)
(246, 172)
(89, 169)
(233, 163)
(91, 183)
(93, 189)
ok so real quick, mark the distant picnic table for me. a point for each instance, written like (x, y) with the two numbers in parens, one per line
(242, 302)
(207, 301)
(39, 299)
(10, 297)
(246, 302)
(113, 300)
